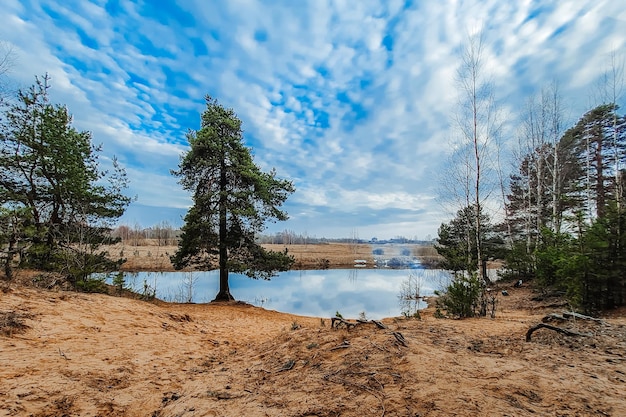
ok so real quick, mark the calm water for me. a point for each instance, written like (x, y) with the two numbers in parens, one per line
(320, 293)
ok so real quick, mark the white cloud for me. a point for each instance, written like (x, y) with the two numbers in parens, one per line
(298, 74)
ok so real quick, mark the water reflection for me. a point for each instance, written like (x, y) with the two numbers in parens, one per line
(321, 293)
(411, 296)
(352, 275)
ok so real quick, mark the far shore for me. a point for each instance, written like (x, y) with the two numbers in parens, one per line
(151, 257)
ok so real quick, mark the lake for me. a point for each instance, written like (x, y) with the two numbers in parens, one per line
(319, 293)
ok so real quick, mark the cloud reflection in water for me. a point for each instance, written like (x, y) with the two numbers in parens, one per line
(319, 293)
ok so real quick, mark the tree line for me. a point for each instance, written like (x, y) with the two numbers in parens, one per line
(562, 218)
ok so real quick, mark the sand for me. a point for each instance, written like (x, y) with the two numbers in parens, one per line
(72, 354)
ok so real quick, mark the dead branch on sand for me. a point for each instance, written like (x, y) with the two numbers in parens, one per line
(556, 329)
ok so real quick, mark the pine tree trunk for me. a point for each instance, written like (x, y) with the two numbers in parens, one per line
(224, 293)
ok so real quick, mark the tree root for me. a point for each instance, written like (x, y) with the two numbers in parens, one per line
(556, 329)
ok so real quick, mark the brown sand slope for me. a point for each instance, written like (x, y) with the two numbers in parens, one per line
(97, 355)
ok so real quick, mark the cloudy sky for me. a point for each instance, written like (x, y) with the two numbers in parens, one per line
(353, 100)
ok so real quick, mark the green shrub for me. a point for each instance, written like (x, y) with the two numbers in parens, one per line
(462, 297)
(92, 284)
(119, 281)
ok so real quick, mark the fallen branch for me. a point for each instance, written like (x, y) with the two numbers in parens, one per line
(343, 345)
(379, 324)
(378, 347)
(335, 322)
(63, 355)
(400, 338)
(556, 329)
(553, 317)
(339, 321)
(571, 314)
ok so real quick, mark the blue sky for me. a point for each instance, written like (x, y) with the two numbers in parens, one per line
(352, 100)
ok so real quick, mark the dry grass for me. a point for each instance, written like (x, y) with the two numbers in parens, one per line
(147, 257)
(331, 255)
(151, 257)
(12, 322)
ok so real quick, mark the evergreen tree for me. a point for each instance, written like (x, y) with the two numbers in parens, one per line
(457, 245)
(597, 140)
(58, 204)
(232, 199)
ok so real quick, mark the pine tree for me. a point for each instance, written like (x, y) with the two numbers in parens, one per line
(597, 138)
(232, 199)
(60, 204)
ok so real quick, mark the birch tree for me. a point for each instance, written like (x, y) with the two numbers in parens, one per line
(478, 123)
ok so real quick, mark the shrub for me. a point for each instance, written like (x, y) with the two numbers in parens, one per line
(12, 322)
(92, 284)
(119, 281)
(462, 297)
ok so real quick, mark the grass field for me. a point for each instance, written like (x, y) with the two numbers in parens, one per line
(150, 257)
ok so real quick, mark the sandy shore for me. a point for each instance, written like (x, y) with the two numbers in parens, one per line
(72, 354)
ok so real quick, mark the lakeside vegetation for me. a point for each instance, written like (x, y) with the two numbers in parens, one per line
(558, 218)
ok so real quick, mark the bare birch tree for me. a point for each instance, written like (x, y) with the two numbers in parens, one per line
(555, 115)
(478, 122)
(536, 198)
(7, 59)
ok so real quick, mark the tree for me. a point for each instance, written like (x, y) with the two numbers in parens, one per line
(586, 259)
(478, 122)
(7, 58)
(610, 89)
(163, 232)
(57, 201)
(541, 131)
(457, 245)
(589, 266)
(466, 295)
(13, 234)
(232, 199)
(598, 139)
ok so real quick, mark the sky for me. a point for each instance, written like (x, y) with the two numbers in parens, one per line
(352, 100)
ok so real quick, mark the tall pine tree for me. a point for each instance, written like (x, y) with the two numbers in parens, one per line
(232, 199)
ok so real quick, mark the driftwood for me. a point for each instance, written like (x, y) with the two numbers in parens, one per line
(400, 338)
(379, 324)
(335, 322)
(553, 317)
(568, 315)
(571, 314)
(551, 327)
